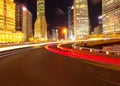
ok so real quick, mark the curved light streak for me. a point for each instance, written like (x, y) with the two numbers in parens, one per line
(24, 46)
(82, 55)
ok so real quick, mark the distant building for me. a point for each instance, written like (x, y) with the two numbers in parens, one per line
(50, 36)
(55, 34)
(19, 16)
(111, 16)
(81, 21)
(97, 30)
(100, 23)
(70, 23)
(40, 30)
(27, 24)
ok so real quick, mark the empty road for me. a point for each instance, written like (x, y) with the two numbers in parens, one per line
(36, 66)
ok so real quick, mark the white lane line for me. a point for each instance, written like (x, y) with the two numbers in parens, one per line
(112, 82)
(13, 52)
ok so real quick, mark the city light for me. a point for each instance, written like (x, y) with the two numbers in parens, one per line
(72, 7)
(65, 30)
(24, 8)
(100, 17)
(79, 54)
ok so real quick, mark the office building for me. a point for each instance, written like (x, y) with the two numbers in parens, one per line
(8, 32)
(1, 15)
(19, 16)
(9, 15)
(70, 23)
(111, 16)
(27, 23)
(81, 21)
(40, 30)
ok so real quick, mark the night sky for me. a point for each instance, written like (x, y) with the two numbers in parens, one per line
(56, 11)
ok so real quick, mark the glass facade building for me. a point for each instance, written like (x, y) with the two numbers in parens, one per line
(9, 15)
(27, 23)
(40, 31)
(1, 15)
(40, 7)
(8, 32)
(81, 21)
(111, 16)
(70, 23)
(19, 16)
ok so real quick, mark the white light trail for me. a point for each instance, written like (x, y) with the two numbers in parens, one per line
(23, 46)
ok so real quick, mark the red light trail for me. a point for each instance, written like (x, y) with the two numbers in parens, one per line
(85, 56)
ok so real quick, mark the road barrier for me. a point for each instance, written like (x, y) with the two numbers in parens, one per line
(117, 53)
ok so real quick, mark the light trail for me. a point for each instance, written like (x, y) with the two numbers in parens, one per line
(85, 56)
(24, 46)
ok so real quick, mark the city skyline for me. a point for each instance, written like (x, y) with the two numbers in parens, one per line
(57, 11)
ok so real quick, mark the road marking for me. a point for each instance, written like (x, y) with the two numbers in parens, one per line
(112, 82)
(12, 52)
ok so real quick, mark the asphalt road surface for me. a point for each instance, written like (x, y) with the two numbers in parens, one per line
(39, 67)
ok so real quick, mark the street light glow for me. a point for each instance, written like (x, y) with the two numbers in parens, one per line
(99, 17)
(24, 8)
(72, 7)
(64, 30)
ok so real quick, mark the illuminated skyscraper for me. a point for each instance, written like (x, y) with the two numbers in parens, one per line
(40, 31)
(8, 32)
(9, 15)
(111, 16)
(19, 16)
(81, 21)
(27, 23)
(70, 23)
(1, 15)
(40, 7)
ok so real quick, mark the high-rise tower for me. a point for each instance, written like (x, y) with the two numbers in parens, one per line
(70, 23)
(40, 31)
(40, 7)
(8, 32)
(111, 16)
(9, 15)
(81, 21)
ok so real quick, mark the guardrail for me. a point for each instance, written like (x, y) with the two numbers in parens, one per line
(96, 50)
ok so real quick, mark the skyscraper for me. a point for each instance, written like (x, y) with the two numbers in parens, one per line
(70, 23)
(81, 21)
(1, 15)
(9, 15)
(8, 32)
(40, 7)
(111, 16)
(27, 23)
(19, 16)
(40, 31)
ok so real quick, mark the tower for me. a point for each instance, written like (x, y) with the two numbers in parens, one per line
(70, 23)
(40, 31)
(81, 21)
(111, 16)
